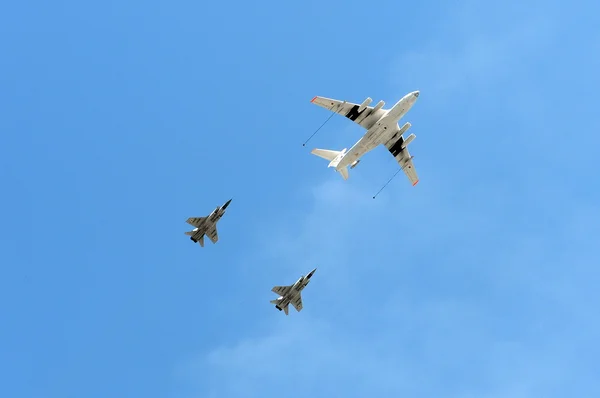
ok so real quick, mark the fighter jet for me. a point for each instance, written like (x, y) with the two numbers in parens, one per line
(206, 225)
(291, 294)
(382, 128)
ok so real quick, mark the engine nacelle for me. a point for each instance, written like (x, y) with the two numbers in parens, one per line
(405, 127)
(364, 104)
(408, 140)
(355, 163)
(379, 105)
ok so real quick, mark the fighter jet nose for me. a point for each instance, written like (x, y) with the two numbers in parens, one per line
(227, 203)
(416, 94)
(311, 273)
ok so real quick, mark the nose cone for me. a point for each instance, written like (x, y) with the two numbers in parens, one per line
(311, 273)
(227, 204)
(416, 94)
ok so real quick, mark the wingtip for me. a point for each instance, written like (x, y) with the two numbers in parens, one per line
(313, 100)
(415, 183)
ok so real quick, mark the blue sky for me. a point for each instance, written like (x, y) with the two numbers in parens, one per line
(121, 120)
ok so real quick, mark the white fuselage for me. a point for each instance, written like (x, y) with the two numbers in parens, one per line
(384, 127)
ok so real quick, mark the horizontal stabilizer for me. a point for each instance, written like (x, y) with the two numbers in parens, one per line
(334, 158)
(325, 153)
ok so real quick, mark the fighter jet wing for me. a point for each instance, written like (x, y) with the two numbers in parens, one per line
(297, 302)
(350, 110)
(281, 290)
(403, 158)
(212, 233)
(195, 221)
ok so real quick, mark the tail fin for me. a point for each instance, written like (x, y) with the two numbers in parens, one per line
(344, 173)
(191, 235)
(334, 158)
(285, 309)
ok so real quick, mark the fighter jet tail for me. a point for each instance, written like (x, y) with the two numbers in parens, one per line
(199, 241)
(285, 309)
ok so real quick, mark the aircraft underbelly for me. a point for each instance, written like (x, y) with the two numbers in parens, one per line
(285, 301)
(365, 146)
(357, 151)
(353, 154)
(201, 231)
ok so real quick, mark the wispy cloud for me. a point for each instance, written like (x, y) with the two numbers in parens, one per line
(488, 318)
(448, 289)
(491, 45)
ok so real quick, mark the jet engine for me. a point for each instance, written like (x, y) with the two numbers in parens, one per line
(355, 163)
(379, 105)
(408, 140)
(405, 127)
(364, 104)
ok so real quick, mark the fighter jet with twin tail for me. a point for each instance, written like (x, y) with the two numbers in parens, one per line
(382, 128)
(206, 225)
(291, 294)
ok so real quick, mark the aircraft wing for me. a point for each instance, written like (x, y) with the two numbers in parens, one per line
(212, 233)
(281, 290)
(297, 302)
(400, 152)
(195, 221)
(350, 110)
(409, 167)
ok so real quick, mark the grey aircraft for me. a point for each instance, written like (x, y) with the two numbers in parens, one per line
(291, 294)
(206, 225)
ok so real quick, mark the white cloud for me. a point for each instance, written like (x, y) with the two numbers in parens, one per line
(485, 319)
(487, 291)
